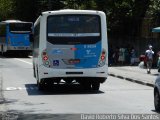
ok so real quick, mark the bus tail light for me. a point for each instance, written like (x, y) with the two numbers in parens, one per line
(45, 59)
(103, 55)
(102, 59)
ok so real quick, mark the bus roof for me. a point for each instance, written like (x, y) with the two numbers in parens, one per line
(14, 21)
(71, 11)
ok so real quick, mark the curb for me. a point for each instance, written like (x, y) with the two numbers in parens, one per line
(132, 80)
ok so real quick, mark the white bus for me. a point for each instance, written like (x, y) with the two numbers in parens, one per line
(71, 46)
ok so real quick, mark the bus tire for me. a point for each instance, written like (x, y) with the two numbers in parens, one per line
(40, 85)
(34, 72)
(157, 100)
(95, 85)
(2, 49)
(86, 85)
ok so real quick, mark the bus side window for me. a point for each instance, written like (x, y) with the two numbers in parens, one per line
(2, 30)
(36, 40)
(36, 36)
(2, 33)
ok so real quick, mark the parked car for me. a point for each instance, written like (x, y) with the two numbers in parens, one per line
(157, 94)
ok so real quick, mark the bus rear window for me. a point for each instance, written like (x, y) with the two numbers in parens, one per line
(20, 27)
(76, 29)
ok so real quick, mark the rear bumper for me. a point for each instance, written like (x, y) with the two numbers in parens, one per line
(22, 48)
(101, 73)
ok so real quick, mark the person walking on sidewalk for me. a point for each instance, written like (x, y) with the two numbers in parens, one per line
(149, 58)
(133, 56)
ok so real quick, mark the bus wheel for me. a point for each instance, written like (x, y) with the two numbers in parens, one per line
(2, 50)
(25, 54)
(34, 72)
(95, 85)
(40, 85)
(86, 85)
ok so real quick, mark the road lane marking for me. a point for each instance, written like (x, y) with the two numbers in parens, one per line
(20, 88)
(11, 88)
(23, 61)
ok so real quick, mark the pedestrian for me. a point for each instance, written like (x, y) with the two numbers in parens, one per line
(116, 55)
(158, 61)
(149, 58)
(110, 55)
(121, 58)
(127, 56)
(133, 56)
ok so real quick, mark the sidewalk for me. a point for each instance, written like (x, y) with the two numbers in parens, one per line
(134, 74)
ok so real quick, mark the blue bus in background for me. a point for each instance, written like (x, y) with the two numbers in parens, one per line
(15, 37)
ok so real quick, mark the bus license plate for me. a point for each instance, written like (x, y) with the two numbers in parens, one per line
(20, 47)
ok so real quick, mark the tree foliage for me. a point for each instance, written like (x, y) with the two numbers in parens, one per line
(122, 15)
(6, 9)
(154, 10)
(24, 9)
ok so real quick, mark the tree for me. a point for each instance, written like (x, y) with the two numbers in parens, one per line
(123, 16)
(56, 4)
(6, 9)
(25, 10)
(154, 11)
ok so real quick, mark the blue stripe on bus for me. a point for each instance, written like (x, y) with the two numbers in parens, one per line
(19, 39)
(88, 54)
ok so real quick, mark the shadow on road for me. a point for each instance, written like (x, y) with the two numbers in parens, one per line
(155, 111)
(61, 89)
(28, 115)
(16, 115)
(50, 117)
(14, 56)
(155, 74)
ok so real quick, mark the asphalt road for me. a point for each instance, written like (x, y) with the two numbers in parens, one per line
(21, 97)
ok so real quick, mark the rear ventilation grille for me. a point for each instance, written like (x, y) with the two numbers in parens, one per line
(74, 73)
